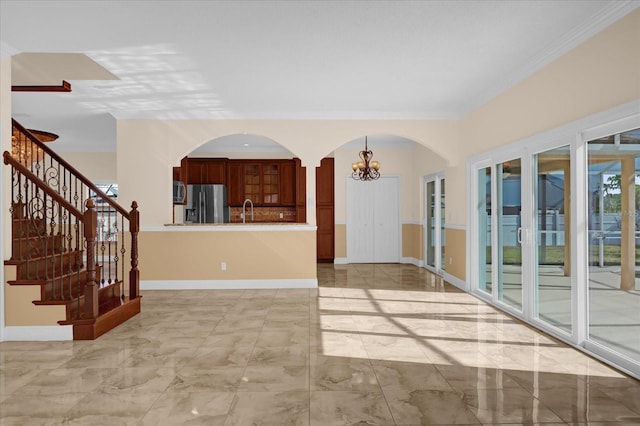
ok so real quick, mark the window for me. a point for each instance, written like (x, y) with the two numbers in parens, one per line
(107, 219)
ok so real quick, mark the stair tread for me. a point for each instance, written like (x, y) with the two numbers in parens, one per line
(103, 310)
(44, 280)
(101, 288)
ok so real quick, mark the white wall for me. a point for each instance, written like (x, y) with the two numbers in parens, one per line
(5, 176)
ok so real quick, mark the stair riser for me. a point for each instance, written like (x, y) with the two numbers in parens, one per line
(69, 287)
(28, 228)
(107, 296)
(51, 266)
(36, 247)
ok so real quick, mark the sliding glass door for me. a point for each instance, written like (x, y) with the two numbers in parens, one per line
(552, 276)
(614, 239)
(500, 231)
(434, 237)
(509, 232)
(484, 224)
(555, 238)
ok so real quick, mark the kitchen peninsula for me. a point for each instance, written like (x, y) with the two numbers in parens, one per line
(278, 249)
(276, 188)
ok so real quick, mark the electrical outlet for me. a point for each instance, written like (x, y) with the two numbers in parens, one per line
(451, 261)
(281, 215)
(223, 266)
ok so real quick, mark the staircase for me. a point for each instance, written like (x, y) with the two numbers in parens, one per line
(71, 240)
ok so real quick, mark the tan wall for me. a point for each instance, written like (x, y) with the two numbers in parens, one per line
(157, 146)
(196, 255)
(455, 252)
(340, 240)
(412, 236)
(19, 309)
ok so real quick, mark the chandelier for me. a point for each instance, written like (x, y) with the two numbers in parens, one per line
(365, 169)
(27, 152)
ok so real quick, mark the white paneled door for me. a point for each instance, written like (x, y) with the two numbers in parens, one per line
(373, 220)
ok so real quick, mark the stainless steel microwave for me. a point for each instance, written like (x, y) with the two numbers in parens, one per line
(179, 192)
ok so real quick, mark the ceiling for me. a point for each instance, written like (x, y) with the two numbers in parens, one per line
(277, 59)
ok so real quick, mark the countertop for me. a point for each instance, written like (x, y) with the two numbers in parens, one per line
(251, 226)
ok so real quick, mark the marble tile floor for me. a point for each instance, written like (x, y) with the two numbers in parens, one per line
(373, 345)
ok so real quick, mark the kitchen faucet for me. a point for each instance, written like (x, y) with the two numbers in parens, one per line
(244, 214)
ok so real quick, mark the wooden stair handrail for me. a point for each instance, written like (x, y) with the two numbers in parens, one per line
(8, 159)
(72, 169)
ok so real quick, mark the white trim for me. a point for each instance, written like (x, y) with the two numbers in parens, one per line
(451, 279)
(403, 260)
(632, 121)
(35, 333)
(612, 358)
(454, 226)
(580, 244)
(230, 227)
(412, 261)
(227, 284)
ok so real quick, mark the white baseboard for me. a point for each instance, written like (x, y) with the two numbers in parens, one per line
(29, 333)
(455, 281)
(226, 284)
(413, 261)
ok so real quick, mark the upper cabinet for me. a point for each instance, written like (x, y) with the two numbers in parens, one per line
(288, 183)
(264, 182)
(206, 171)
(235, 183)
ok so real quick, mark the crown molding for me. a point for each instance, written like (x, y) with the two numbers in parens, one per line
(608, 15)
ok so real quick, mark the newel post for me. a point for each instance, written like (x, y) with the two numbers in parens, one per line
(90, 220)
(134, 274)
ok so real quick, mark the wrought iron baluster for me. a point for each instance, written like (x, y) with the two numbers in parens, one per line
(27, 220)
(116, 258)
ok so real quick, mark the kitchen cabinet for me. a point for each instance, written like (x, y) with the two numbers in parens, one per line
(235, 183)
(325, 211)
(300, 191)
(288, 183)
(206, 171)
(264, 182)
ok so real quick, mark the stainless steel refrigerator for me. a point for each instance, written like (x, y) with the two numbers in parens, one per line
(206, 204)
